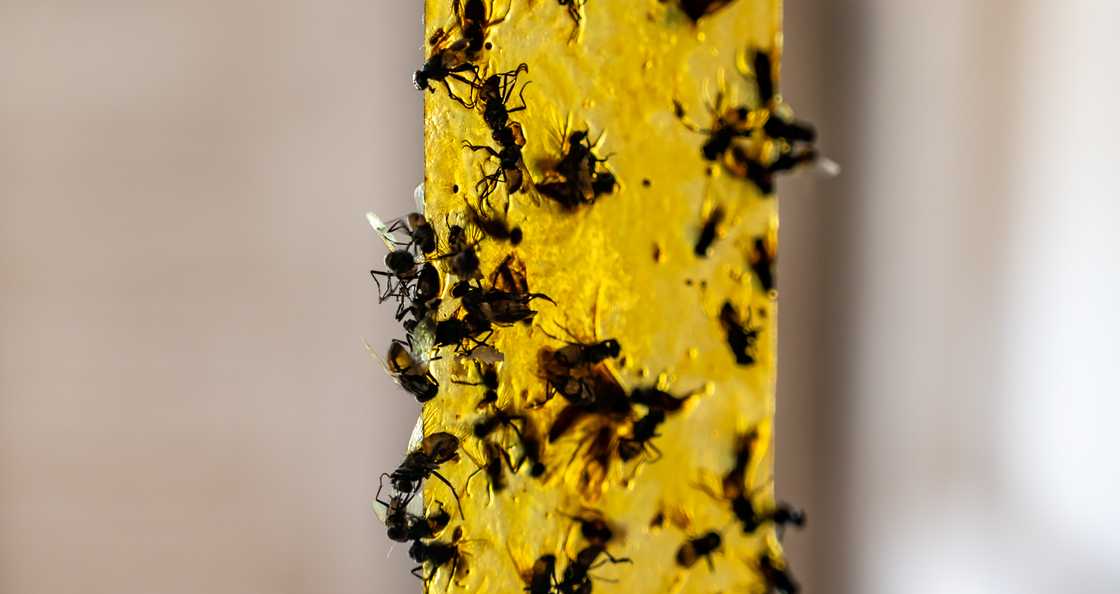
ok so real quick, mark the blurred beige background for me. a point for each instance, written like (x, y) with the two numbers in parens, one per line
(186, 405)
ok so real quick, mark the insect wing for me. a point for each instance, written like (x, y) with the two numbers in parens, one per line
(382, 229)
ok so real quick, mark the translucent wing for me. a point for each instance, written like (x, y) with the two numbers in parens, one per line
(418, 196)
(417, 435)
(382, 229)
(380, 510)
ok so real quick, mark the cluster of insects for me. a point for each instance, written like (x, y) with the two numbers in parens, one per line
(451, 308)
(755, 142)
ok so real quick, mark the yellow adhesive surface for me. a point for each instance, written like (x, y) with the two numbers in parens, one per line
(622, 268)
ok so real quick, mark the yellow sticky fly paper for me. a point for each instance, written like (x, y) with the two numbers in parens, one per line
(610, 164)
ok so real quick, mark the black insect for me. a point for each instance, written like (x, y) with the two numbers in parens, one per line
(530, 448)
(412, 375)
(510, 276)
(579, 354)
(475, 21)
(447, 61)
(742, 164)
(435, 450)
(488, 379)
(461, 255)
(578, 178)
(498, 307)
(786, 134)
(586, 385)
(594, 393)
(734, 482)
(542, 576)
(700, 547)
(729, 124)
(709, 232)
(778, 579)
(488, 423)
(697, 9)
(763, 66)
(741, 336)
(495, 226)
(465, 334)
(751, 518)
(492, 458)
(762, 261)
(436, 555)
(657, 399)
(511, 167)
(403, 525)
(784, 515)
(576, 577)
(419, 295)
(495, 93)
(575, 10)
(593, 527)
(421, 234)
(571, 371)
(402, 268)
(641, 437)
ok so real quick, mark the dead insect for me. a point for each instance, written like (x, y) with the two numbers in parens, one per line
(763, 67)
(709, 232)
(424, 461)
(593, 527)
(446, 62)
(486, 425)
(641, 437)
(542, 577)
(741, 336)
(406, 522)
(510, 275)
(530, 449)
(492, 458)
(577, 179)
(511, 167)
(575, 11)
(657, 399)
(580, 354)
(701, 547)
(402, 268)
(465, 334)
(436, 555)
(697, 9)
(742, 164)
(586, 385)
(461, 255)
(778, 578)
(495, 93)
(762, 261)
(595, 393)
(495, 306)
(734, 482)
(784, 515)
(488, 378)
(495, 226)
(576, 577)
(729, 124)
(419, 295)
(420, 233)
(412, 375)
(474, 22)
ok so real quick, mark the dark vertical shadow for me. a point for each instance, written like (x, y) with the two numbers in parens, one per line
(823, 79)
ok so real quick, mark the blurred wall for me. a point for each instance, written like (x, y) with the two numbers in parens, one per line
(186, 405)
(948, 382)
